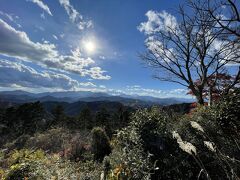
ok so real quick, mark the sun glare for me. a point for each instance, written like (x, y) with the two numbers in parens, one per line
(90, 46)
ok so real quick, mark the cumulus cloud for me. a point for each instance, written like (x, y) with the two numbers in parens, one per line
(75, 16)
(158, 21)
(17, 44)
(42, 5)
(25, 76)
(158, 49)
(228, 52)
(97, 73)
(164, 23)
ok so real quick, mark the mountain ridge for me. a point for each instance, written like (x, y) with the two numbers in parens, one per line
(20, 96)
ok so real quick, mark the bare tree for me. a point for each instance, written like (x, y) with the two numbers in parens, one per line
(227, 15)
(187, 50)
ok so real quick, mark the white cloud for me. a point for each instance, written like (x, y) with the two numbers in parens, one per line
(97, 73)
(163, 23)
(102, 87)
(138, 90)
(17, 44)
(42, 5)
(75, 16)
(158, 49)
(158, 21)
(17, 75)
(19, 25)
(88, 84)
(55, 37)
(9, 16)
(21, 75)
(227, 52)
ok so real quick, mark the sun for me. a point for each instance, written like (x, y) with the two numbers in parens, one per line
(90, 46)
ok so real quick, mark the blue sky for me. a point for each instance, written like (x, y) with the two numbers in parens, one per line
(54, 45)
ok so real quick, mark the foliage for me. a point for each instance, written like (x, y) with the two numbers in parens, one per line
(228, 113)
(217, 85)
(22, 164)
(100, 144)
(52, 140)
(59, 115)
(85, 118)
(155, 144)
(28, 164)
(217, 144)
(186, 147)
(25, 119)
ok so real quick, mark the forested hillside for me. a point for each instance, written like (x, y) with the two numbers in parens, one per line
(121, 142)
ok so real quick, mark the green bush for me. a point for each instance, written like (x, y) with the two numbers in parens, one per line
(227, 114)
(21, 164)
(52, 140)
(155, 145)
(179, 147)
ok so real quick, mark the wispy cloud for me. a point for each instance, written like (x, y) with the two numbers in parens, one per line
(75, 16)
(62, 35)
(39, 28)
(42, 15)
(141, 91)
(11, 17)
(42, 5)
(55, 37)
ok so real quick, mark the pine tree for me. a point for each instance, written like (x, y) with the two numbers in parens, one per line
(59, 115)
(100, 144)
(85, 118)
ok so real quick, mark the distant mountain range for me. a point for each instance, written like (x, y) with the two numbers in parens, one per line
(18, 97)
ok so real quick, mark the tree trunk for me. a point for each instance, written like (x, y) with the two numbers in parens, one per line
(199, 95)
(210, 96)
(200, 99)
